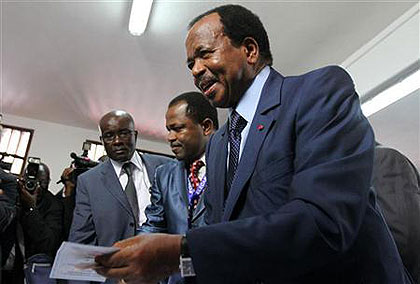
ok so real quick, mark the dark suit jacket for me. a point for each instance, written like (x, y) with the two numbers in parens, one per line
(397, 184)
(300, 209)
(7, 215)
(102, 215)
(168, 211)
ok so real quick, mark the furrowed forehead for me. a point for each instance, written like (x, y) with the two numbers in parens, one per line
(204, 32)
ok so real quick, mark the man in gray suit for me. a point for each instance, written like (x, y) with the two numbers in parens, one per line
(111, 198)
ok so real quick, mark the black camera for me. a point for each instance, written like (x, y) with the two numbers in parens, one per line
(81, 164)
(5, 165)
(30, 176)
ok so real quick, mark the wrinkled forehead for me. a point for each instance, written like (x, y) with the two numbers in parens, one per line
(178, 110)
(204, 32)
(116, 123)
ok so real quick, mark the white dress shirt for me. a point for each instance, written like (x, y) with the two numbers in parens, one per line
(141, 182)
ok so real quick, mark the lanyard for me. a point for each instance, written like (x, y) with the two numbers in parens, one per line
(193, 196)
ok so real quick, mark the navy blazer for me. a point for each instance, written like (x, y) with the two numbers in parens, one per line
(168, 211)
(300, 209)
(103, 215)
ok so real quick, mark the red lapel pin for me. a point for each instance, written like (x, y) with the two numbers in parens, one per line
(260, 127)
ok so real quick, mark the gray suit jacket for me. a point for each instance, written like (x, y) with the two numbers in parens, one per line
(397, 184)
(168, 211)
(102, 214)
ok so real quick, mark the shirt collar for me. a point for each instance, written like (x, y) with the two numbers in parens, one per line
(202, 158)
(247, 106)
(135, 159)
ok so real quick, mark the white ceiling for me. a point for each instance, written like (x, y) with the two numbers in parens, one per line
(69, 62)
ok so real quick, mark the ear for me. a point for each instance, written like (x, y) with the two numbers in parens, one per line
(208, 127)
(252, 50)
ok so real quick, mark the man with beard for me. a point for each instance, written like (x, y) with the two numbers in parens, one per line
(289, 197)
(176, 203)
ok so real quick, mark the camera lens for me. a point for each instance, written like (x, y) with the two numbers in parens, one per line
(30, 185)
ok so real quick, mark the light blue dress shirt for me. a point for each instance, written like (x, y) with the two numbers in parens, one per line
(247, 106)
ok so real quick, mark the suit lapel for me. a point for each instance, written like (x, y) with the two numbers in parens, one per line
(113, 185)
(149, 165)
(260, 127)
(216, 171)
(181, 184)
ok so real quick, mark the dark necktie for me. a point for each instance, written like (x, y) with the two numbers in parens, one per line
(236, 124)
(130, 191)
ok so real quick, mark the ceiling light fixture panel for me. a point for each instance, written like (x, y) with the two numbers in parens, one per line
(140, 12)
(394, 93)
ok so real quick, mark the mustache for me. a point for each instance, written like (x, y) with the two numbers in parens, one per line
(176, 144)
(204, 82)
(119, 148)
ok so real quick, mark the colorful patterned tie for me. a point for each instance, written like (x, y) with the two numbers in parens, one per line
(236, 124)
(195, 181)
(130, 191)
(195, 168)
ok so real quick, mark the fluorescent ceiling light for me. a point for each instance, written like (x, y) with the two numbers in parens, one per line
(394, 93)
(140, 12)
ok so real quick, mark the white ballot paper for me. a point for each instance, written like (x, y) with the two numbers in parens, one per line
(75, 261)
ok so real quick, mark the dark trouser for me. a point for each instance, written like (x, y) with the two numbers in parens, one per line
(37, 270)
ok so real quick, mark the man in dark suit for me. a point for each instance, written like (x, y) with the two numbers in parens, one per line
(111, 198)
(176, 203)
(289, 197)
(397, 185)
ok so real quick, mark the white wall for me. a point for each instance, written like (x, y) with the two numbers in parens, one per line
(389, 53)
(54, 142)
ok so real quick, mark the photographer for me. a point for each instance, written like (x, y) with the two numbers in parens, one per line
(41, 220)
(67, 198)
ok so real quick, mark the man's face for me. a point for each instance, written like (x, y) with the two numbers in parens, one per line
(118, 137)
(186, 137)
(220, 70)
(43, 177)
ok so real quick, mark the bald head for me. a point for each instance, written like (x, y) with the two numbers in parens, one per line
(43, 176)
(118, 135)
(113, 116)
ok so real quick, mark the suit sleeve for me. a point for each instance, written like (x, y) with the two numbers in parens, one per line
(155, 211)
(7, 212)
(7, 199)
(82, 228)
(397, 182)
(328, 194)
